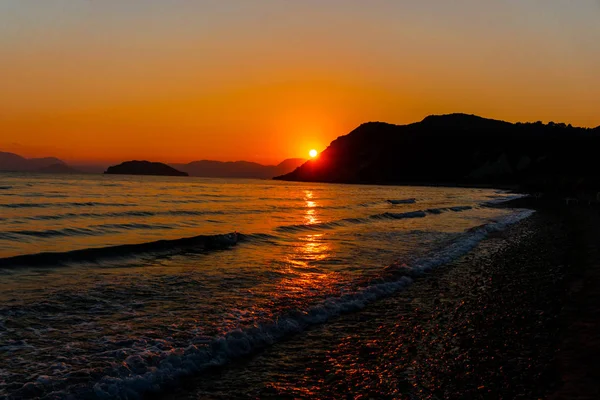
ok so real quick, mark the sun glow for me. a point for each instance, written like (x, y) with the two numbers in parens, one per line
(313, 153)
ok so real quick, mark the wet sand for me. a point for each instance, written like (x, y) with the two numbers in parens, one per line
(515, 318)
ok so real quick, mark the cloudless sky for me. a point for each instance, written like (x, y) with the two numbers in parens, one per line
(264, 80)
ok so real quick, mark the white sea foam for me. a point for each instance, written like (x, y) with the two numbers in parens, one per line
(155, 369)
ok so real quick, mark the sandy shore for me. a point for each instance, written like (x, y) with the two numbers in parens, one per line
(577, 354)
(515, 318)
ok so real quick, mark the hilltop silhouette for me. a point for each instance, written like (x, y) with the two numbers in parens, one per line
(460, 149)
(144, 168)
(11, 162)
(238, 169)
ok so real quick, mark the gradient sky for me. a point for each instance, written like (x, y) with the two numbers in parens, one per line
(264, 80)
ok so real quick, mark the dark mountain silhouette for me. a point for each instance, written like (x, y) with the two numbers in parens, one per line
(39, 163)
(12, 162)
(16, 163)
(288, 165)
(238, 169)
(144, 168)
(460, 149)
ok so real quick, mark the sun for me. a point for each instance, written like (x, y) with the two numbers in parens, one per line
(313, 153)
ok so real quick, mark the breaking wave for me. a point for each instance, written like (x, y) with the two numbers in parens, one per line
(93, 255)
(383, 216)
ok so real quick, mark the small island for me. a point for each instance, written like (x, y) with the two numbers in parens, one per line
(144, 168)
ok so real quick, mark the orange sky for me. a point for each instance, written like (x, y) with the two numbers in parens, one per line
(266, 80)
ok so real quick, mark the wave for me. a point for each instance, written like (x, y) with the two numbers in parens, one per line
(94, 230)
(157, 369)
(119, 214)
(502, 199)
(402, 201)
(94, 255)
(132, 225)
(202, 199)
(303, 207)
(405, 215)
(26, 205)
(70, 204)
(369, 203)
(444, 209)
(460, 208)
(383, 216)
(49, 233)
(37, 195)
(315, 226)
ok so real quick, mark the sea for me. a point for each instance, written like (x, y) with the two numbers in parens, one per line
(134, 286)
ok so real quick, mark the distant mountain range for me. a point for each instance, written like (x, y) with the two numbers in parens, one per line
(460, 149)
(205, 168)
(15, 163)
(238, 169)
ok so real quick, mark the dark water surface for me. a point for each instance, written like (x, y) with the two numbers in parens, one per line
(116, 286)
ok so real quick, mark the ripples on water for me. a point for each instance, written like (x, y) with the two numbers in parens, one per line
(113, 286)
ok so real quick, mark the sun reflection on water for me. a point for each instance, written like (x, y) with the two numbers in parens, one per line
(311, 216)
(310, 249)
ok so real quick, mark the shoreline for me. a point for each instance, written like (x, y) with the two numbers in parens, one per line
(504, 321)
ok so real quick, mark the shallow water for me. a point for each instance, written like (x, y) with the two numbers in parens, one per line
(265, 260)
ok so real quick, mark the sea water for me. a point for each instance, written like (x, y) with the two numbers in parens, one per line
(120, 286)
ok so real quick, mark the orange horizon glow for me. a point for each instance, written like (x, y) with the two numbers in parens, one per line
(105, 82)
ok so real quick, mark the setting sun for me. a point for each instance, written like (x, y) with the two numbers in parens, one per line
(313, 153)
